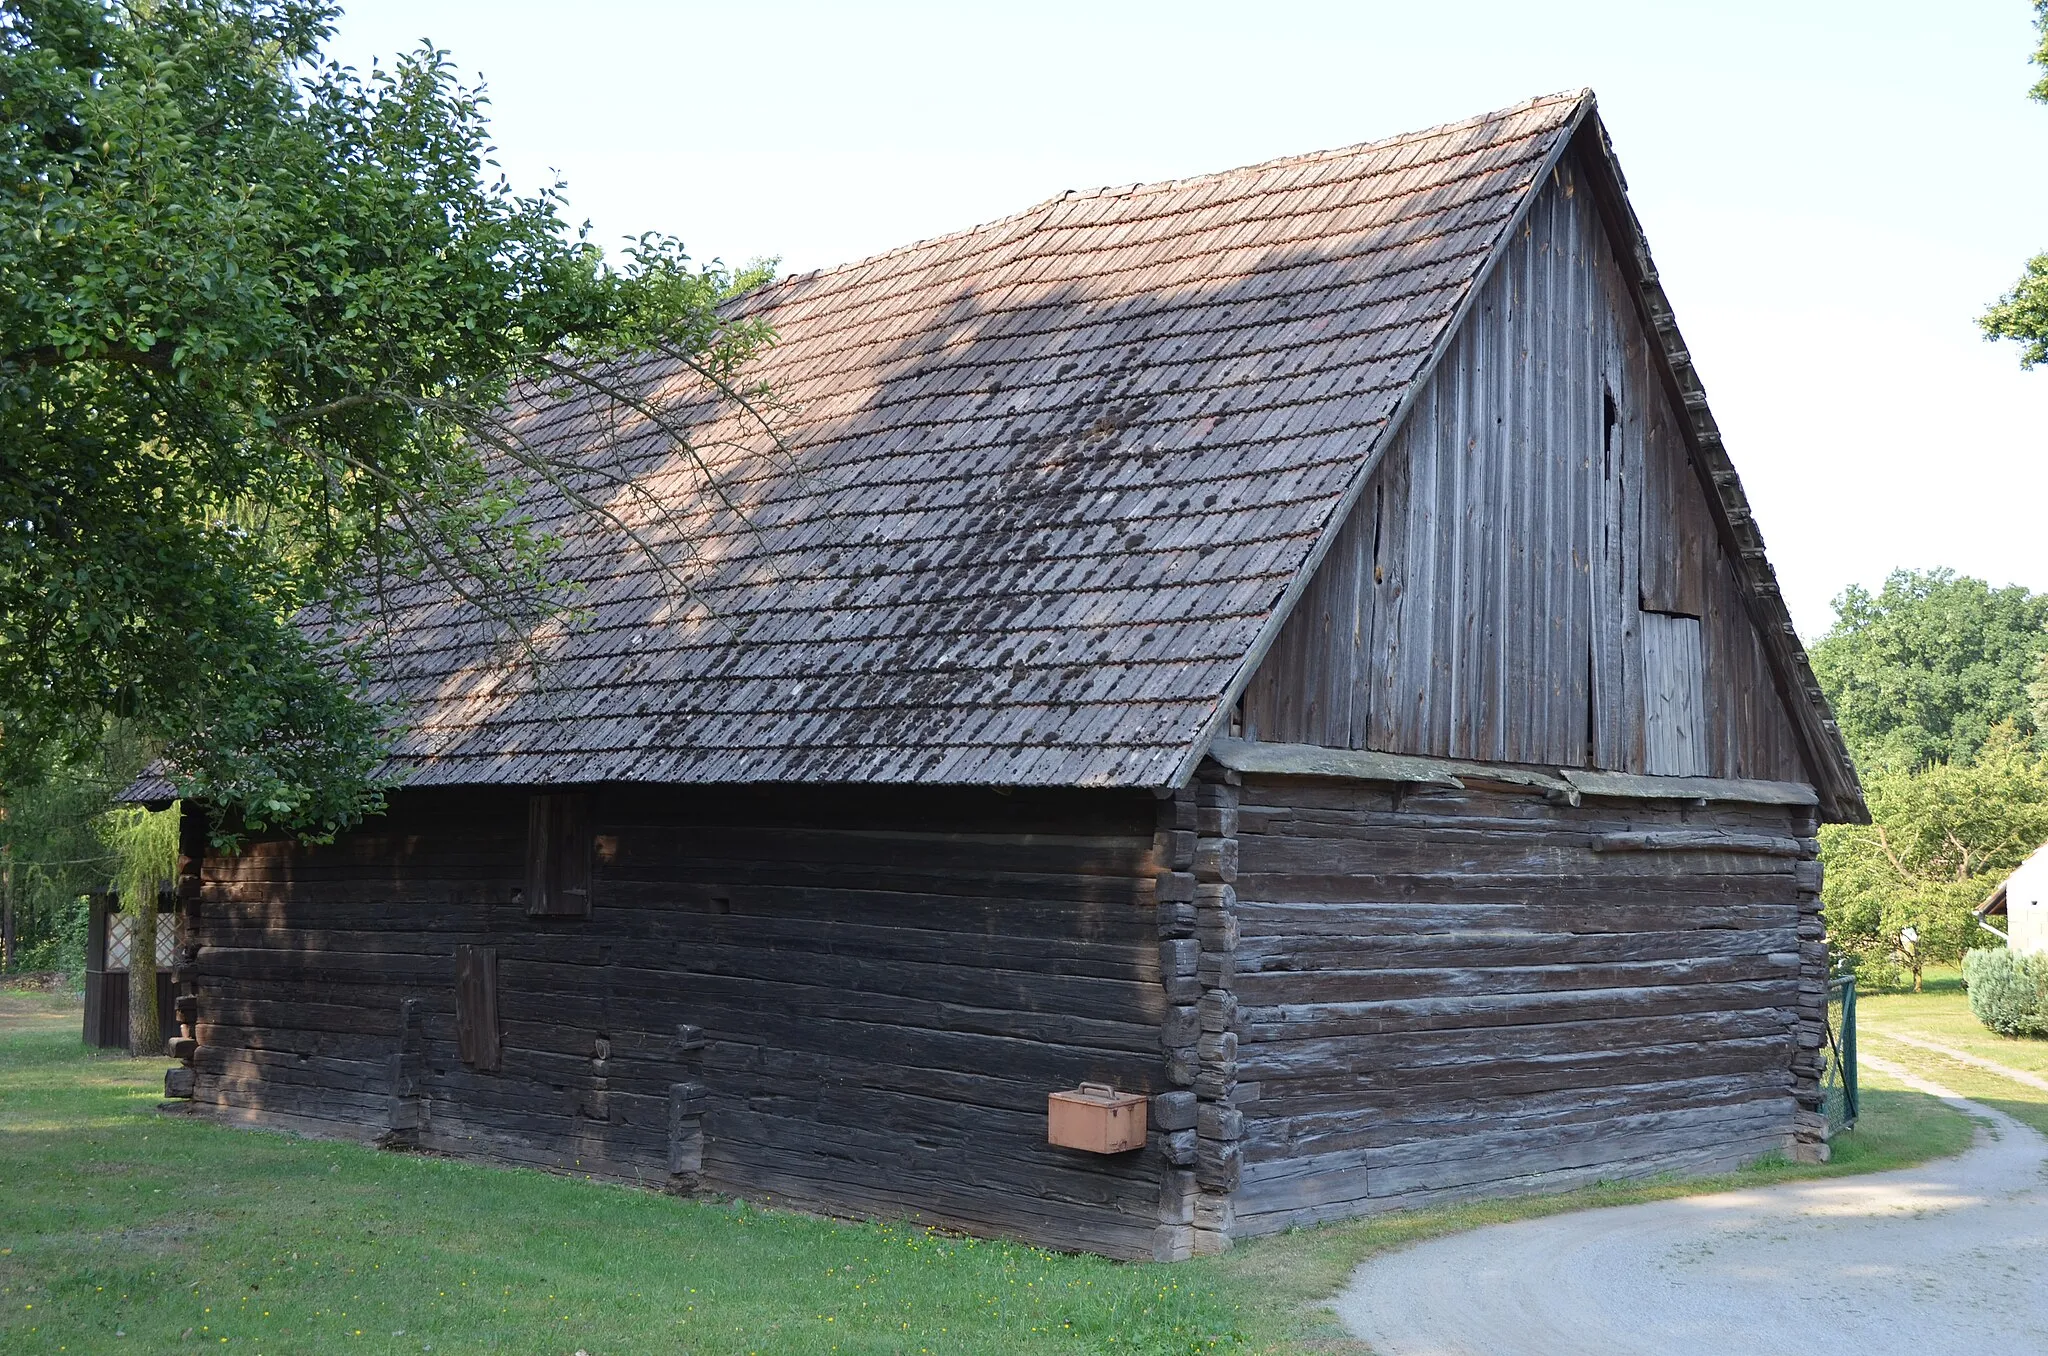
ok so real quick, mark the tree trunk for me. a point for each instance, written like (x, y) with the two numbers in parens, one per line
(145, 1033)
(7, 907)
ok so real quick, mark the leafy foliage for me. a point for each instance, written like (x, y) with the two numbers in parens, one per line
(1940, 840)
(144, 844)
(50, 844)
(145, 847)
(1922, 670)
(2008, 991)
(261, 315)
(2022, 314)
(2040, 57)
(1932, 679)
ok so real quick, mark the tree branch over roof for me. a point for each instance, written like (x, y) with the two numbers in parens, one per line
(265, 314)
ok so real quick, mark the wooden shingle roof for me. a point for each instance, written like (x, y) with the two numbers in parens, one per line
(1046, 484)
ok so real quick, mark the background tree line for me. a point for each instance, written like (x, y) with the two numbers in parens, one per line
(1940, 686)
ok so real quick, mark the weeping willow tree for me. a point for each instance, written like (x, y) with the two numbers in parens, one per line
(145, 848)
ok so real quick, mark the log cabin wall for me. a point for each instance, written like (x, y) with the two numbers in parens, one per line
(1444, 993)
(774, 993)
(1533, 575)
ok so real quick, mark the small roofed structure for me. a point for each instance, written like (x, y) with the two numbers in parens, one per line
(2022, 902)
(1281, 657)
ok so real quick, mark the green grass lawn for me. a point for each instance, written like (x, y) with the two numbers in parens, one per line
(123, 1230)
(1941, 1012)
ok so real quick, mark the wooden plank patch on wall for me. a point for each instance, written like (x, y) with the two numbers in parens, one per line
(1673, 701)
(558, 855)
(476, 1007)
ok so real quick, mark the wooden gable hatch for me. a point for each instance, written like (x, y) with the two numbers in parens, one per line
(1282, 656)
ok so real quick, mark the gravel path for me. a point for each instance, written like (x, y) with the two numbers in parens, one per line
(1946, 1257)
(1961, 1056)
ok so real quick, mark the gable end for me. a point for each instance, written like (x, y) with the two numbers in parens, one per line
(1543, 568)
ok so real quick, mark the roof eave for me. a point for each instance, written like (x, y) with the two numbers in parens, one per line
(1994, 904)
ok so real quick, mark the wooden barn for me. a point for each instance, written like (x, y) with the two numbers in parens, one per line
(1288, 645)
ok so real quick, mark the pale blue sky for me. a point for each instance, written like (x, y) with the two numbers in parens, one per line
(1833, 191)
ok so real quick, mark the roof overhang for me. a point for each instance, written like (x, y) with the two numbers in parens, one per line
(1995, 905)
(1565, 784)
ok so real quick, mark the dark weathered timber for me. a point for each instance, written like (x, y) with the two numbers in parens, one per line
(1309, 760)
(99, 1029)
(865, 995)
(1749, 599)
(1752, 791)
(1493, 990)
(476, 1007)
(1384, 970)
(1707, 840)
(558, 848)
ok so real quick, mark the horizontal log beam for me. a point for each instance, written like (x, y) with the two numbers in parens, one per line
(1310, 760)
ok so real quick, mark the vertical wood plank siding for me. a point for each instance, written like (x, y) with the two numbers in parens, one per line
(1446, 993)
(1674, 740)
(1486, 597)
(876, 989)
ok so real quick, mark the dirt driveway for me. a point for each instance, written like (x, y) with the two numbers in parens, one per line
(1946, 1257)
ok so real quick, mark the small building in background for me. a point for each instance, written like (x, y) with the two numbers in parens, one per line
(109, 950)
(2022, 904)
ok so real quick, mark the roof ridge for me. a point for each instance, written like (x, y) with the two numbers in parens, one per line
(766, 293)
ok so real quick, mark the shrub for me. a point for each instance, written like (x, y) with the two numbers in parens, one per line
(61, 948)
(1875, 964)
(2008, 991)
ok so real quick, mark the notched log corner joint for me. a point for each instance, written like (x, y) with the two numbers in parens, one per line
(1197, 1125)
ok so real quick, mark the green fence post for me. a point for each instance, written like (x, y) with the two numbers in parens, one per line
(1848, 1040)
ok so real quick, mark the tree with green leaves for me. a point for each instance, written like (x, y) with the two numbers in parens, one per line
(144, 844)
(1900, 892)
(259, 317)
(1922, 670)
(1933, 679)
(2022, 314)
(52, 852)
